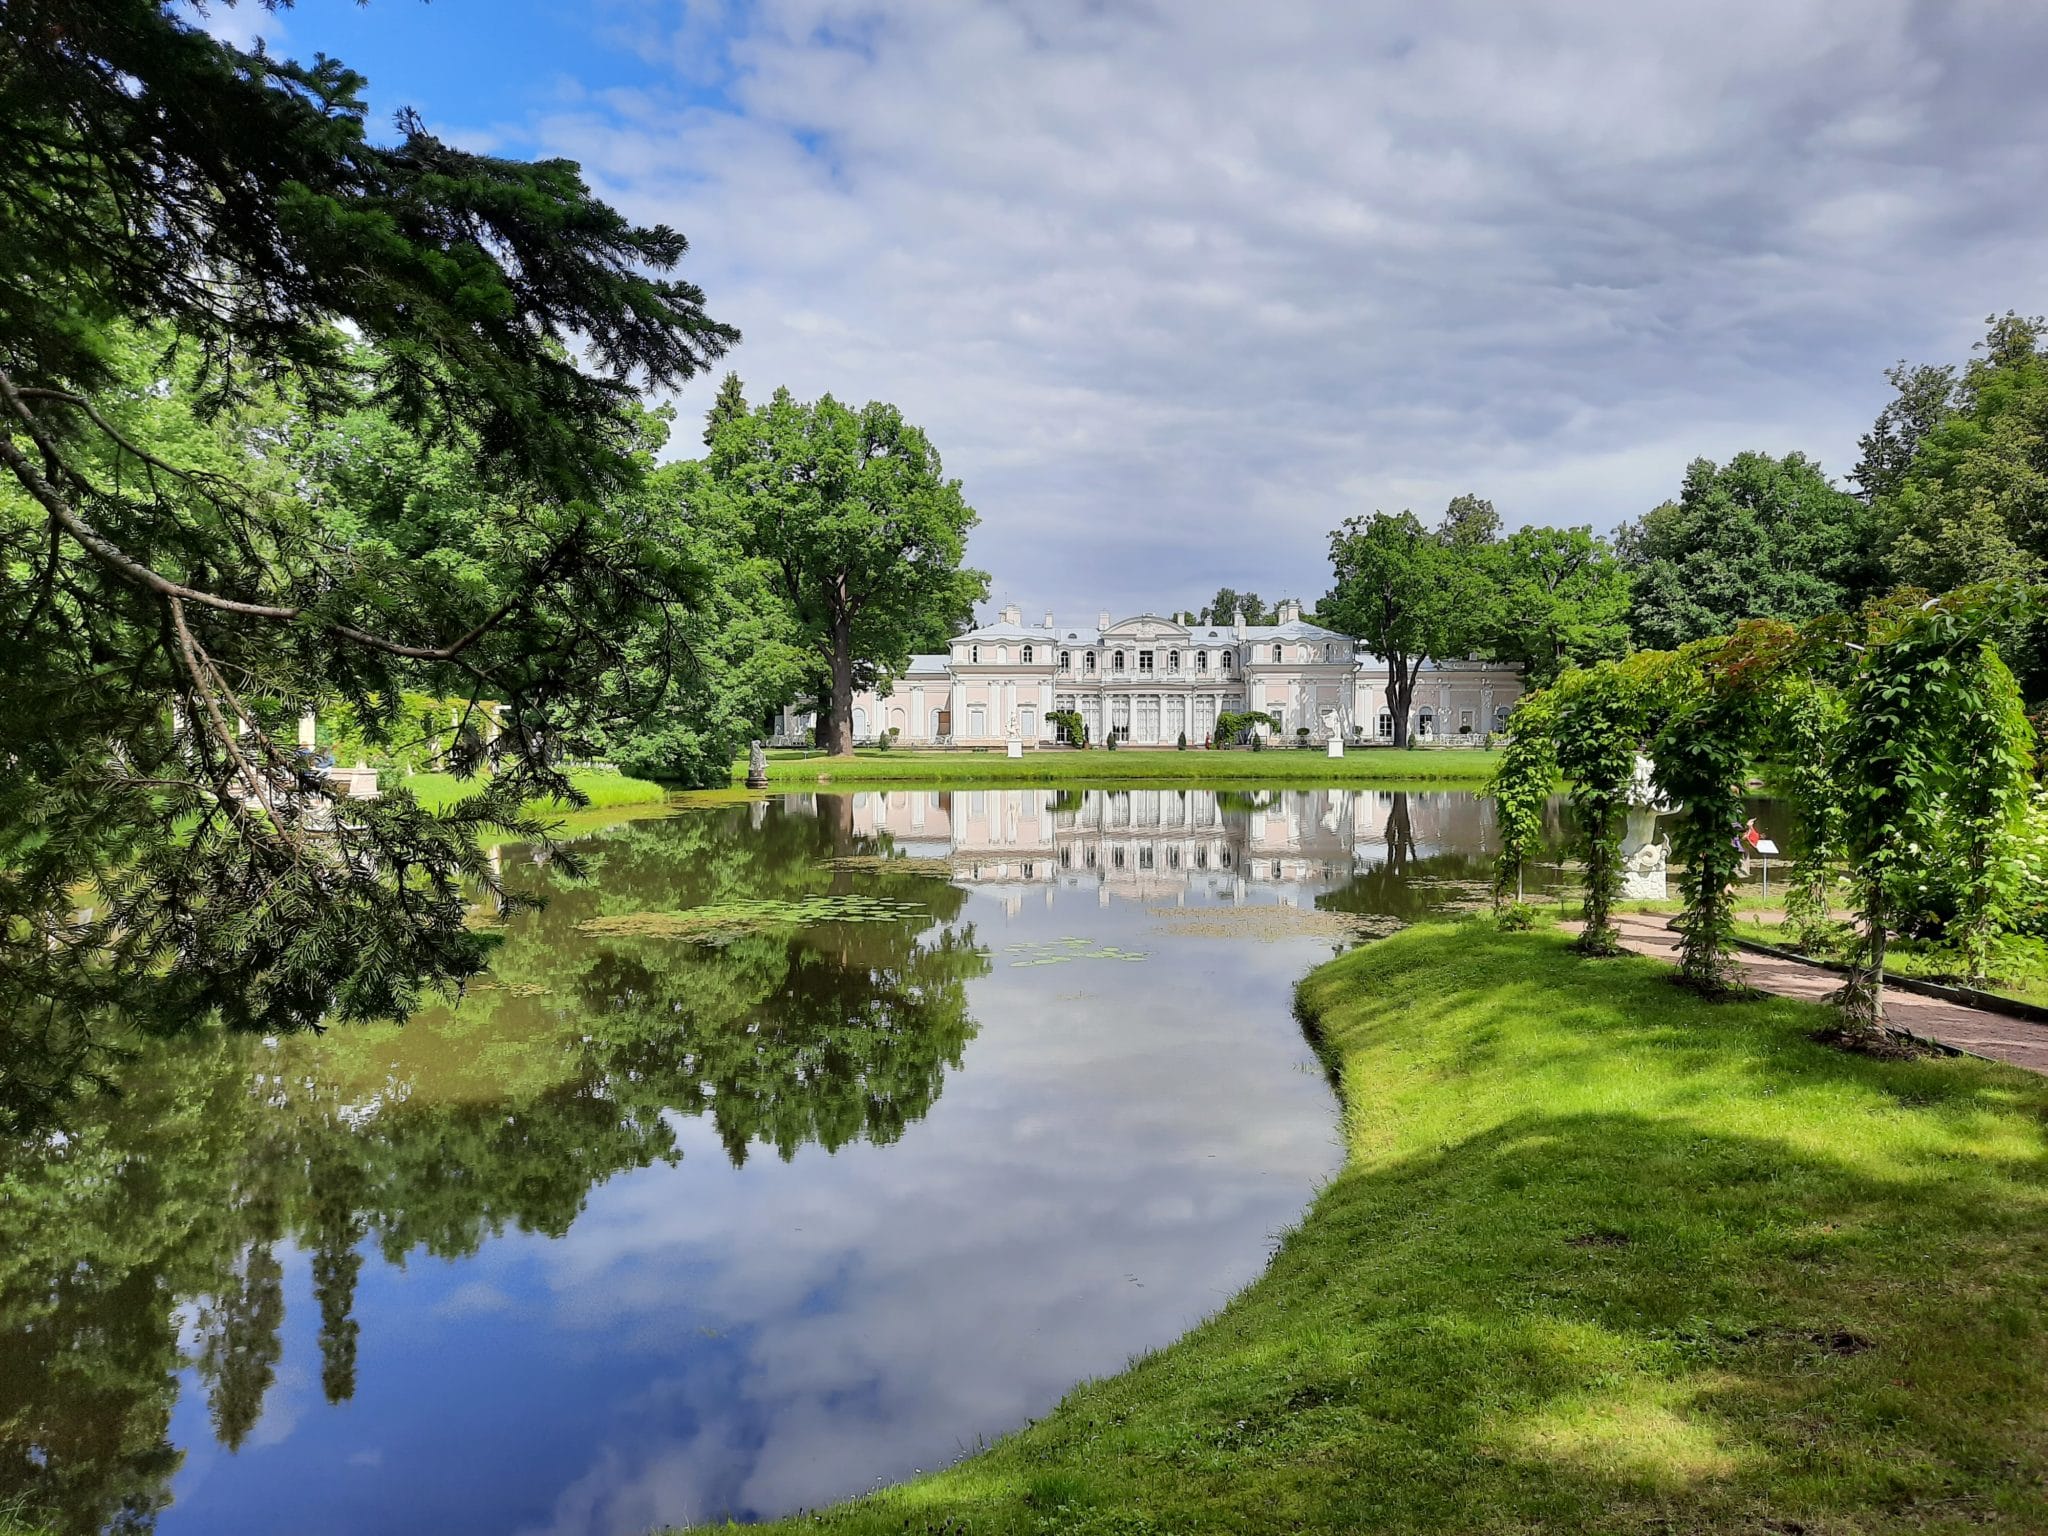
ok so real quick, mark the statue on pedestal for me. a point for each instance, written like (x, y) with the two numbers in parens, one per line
(1645, 857)
(757, 766)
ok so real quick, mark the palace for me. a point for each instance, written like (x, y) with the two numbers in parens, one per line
(1148, 680)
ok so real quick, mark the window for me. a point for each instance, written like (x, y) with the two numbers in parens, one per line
(1147, 721)
(1276, 653)
(974, 653)
(938, 724)
(1027, 655)
(1226, 661)
(1500, 717)
(1089, 665)
(1002, 655)
(977, 720)
(1329, 653)
(1386, 724)
(1027, 723)
(1465, 722)
(1201, 661)
(1426, 723)
(1144, 661)
(1116, 661)
(1173, 661)
(1066, 661)
(860, 723)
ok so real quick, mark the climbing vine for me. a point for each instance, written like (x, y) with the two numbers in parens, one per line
(1899, 737)
(1599, 718)
(1719, 696)
(1521, 787)
(1931, 716)
(1807, 747)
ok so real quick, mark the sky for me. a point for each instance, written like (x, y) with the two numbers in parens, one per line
(1175, 286)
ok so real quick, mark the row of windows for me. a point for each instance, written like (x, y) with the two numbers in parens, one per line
(1146, 659)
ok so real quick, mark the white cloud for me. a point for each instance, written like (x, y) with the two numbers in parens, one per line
(1176, 287)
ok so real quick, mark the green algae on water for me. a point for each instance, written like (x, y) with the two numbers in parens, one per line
(722, 922)
(1060, 951)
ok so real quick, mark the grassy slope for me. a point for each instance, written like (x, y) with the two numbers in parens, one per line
(604, 788)
(1447, 765)
(1604, 1258)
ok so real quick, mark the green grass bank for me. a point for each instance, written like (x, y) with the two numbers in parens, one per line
(605, 787)
(1466, 766)
(1603, 1258)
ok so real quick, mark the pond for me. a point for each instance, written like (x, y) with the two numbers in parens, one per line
(809, 1142)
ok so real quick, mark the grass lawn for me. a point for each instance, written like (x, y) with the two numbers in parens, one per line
(605, 788)
(1603, 1258)
(1361, 765)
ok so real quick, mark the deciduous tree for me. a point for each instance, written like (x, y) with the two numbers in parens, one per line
(1560, 600)
(1408, 594)
(862, 533)
(1757, 537)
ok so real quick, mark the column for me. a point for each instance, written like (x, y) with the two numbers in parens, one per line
(956, 708)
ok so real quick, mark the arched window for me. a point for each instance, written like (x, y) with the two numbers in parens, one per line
(1276, 653)
(1173, 661)
(1116, 661)
(1201, 661)
(1500, 717)
(1066, 661)
(974, 653)
(1002, 655)
(1329, 653)
(1226, 661)
(1425, 722)
(1027, 655)
(1088, 662)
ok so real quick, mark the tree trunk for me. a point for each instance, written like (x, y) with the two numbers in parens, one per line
(1400, 695)
(838, 740)
(1862, 996)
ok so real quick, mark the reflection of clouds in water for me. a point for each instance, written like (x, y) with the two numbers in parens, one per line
(1103, 1173)
(473, 1298)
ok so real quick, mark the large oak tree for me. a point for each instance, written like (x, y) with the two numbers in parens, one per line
(861, 531)
(1411, 594)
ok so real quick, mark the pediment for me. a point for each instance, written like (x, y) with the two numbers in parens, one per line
(1146, 626)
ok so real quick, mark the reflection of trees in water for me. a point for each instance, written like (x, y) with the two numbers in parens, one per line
(1405, 881)
(172, 1201)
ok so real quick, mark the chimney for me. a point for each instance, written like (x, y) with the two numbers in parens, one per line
(1102, 619)
(1012, 614)
(1290, 610)
(1048, 624)
(1240, 623)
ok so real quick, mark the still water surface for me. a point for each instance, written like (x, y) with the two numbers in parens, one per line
(670, 1226)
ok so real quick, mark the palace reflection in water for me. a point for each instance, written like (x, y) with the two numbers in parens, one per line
(1153, 844)
(649, 1231)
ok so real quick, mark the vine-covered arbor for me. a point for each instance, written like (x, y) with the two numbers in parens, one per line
(1894, 733)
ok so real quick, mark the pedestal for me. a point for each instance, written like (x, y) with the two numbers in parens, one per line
(1016, 749)
(1336, 748)
(1645, 859)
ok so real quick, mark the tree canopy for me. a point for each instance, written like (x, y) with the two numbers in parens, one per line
(290, 415)
(1757, 537)
(1408, 593)
(1957, 465)
(860, 532)
(1561, 599)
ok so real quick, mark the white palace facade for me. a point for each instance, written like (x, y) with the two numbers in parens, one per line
(1148, 680)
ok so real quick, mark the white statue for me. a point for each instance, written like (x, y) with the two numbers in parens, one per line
(1645, 857)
